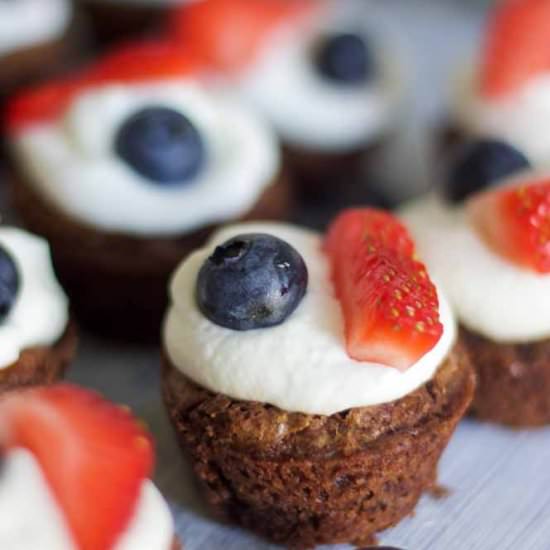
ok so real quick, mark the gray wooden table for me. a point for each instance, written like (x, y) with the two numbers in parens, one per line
(499, 481)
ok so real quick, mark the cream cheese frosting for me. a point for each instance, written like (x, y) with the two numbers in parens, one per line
(41, 311)
(26, 23)
(30, 518)
(490, 295)
(300, 365)
(73, 164)
(515, 118)
(308, 110)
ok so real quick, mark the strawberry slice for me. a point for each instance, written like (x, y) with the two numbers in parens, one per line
(389, 304)
(515, 222)
(94, 455)
(517, 46)
(228, 34)
(132, 63)
(41, 104)
(146, 60)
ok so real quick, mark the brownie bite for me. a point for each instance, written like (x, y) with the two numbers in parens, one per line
(502, 93)
(38, 340)
(127, 167)
(306, 419)
(100, 449)
(488, 249)
(317, 71)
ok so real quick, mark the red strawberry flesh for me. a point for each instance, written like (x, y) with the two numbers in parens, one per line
(517, 46)
(515, 222)
(389, 304)
(93, 454)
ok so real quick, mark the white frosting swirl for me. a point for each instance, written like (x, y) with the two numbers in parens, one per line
(30, 517)
(490, 295)
(72, 162)
(41, 310)
(300, 365)
(309, 110)
(515, 118)
(26, 23)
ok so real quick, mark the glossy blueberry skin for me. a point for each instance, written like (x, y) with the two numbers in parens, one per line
(480, 165)
(162, 145)
(345, 59)
(9, 283)
(251, 281)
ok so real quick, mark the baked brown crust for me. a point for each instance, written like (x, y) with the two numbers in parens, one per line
(513, 380)
(117, 21)
(41, 364)
(303, 480)
(26, 65)
(117, 282)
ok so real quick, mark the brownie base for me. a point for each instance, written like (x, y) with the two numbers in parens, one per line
(320, 175)
(117, 283)
(41, 365)
(513, 381)
(115, 22)
(30, 64)
(303, 480)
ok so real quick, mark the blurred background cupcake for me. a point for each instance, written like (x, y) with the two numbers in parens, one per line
(127, 166)
(316, 70)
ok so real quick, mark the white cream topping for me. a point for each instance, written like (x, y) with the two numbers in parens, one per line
(73, 163)
(26, 23)
(41, 310)
(309, 110)
(30, 518)
(490, 295)
(300, 365)
(516, 118)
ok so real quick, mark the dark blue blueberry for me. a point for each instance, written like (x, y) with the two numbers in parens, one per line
(480, 165)
(162, 145)
(251, 281)
(9, 283)
(345, 59)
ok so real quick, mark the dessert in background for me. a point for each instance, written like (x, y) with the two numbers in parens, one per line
(490, 250)
(37, 338)
(75, 475)
(315, 69)
(505, 94)
(34, 38)
(312, 379)
(126, 167)
(116, 20)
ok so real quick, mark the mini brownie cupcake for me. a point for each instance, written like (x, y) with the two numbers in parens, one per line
(314, 69)
(491, 253)
(37, 339)
(34, 37)
(75, 475)
(126, 168)
(119, 19)
(314, 410)
(505, 94)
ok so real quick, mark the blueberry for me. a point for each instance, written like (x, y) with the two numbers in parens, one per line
(480, 165)
(345, 59)
(9, 283)
(162, 145)
(251, 281)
